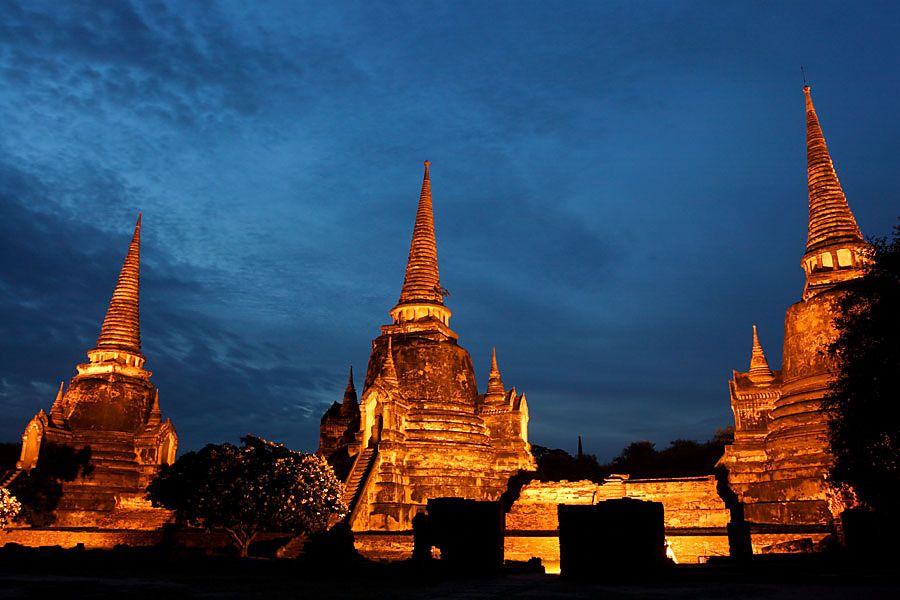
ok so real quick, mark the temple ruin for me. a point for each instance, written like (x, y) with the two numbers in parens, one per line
(778, 462)
(421, 429)
(111, 408)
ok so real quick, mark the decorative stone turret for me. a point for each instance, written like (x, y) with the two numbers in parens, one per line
(495, 387)
(111, 408)
(759, 372)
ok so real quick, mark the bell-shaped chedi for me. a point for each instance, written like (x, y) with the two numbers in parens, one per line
(778, 463)
(424, 431)
(112, 408)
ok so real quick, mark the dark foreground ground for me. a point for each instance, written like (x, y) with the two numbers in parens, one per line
(138, 577)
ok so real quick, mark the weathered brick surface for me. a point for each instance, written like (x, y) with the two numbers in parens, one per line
(690, 502)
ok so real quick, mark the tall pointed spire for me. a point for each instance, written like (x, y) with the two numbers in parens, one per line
(422, 282)
(495, 383)
(422, 297)
(349, 405)
(830, 219)
(121, 328)
(759, 366)
(835, 249)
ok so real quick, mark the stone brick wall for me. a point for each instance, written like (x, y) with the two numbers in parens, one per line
(689, 502)
(695, 516)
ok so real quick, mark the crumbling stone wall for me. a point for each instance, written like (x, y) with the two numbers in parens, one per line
(695, 516)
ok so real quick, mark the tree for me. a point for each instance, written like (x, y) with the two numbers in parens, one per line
(9, 508)
(864, 397)
(683, 458)
(40, 489)
(260, 486)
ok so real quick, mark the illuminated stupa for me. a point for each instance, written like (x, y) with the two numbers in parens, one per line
(424, 431)
(779, 459)
(112, 408)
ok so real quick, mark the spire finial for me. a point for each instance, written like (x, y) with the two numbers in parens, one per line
(121, 328)
(422, 282)
(495, 383)
(759, 366)
(580, 454)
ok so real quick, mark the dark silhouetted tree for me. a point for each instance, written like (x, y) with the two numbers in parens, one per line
(40, 489)
(864, 398)
(260, 486)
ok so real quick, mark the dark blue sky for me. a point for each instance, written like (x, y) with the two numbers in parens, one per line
(619, 194)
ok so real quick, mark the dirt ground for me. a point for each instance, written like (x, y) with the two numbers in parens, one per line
(49, 581)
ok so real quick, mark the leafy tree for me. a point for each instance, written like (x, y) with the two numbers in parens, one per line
(864, 397)
(557, 465)
(9, 508)
(683, 458)
(260, 486)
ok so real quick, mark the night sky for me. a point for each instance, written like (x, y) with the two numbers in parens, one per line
(619, 194)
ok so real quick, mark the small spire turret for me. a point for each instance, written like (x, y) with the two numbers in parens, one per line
(388, 370)
(495, 382)
(57, 411)
(350, 402)
(759, 367)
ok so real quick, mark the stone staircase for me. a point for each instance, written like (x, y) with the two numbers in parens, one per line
(357, 479)
(8, 477)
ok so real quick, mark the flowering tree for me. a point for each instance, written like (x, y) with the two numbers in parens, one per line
(260, 486)
(9, 508)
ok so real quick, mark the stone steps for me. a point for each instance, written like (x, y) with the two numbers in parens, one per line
(357, 478)
(9, 476)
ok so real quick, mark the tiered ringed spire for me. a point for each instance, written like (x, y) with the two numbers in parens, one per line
(830, 219)
(421, 303)
(121, 328)
(422, 282)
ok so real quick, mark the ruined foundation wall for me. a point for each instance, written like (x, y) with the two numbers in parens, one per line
(695, 516)
(689, 502)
